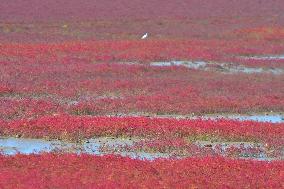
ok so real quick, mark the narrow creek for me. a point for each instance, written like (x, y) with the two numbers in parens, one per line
(272, 118)
(266, 57)
(95, 146)
(261, 117)
(229, 68)
(122, 146)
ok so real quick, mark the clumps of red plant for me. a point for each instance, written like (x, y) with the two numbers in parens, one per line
(86, 127)
(98, 89)
(135, 50)
(27, 108)
(86, 171)
(4, 89)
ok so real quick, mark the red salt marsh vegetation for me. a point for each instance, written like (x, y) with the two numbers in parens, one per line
(183, 18)
(78, 71)
(176, 138)
(79, 127)
(140, 51)
(32, 89)
(107, 9)
(85, 171)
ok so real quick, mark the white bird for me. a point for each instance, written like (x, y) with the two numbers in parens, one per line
(144, 36)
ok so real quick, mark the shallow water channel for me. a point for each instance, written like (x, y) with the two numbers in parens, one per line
(272, 118)
(95, 146)
(267, 57)
(218, 66)
(108, 145)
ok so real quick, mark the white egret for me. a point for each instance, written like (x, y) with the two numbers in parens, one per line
(144, 36)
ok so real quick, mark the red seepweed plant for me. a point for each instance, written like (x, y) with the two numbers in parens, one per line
(86, 171)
